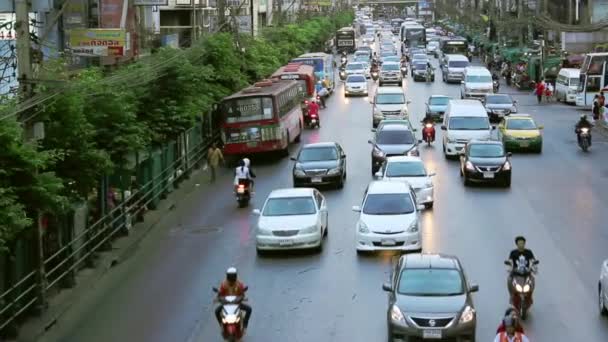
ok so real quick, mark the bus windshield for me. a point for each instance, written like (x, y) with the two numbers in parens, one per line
(248, 109)
(317, 63)
(454, 48)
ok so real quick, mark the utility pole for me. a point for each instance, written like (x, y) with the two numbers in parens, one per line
(221, 13)
(33, 132)
(194, 28)
(519, 16)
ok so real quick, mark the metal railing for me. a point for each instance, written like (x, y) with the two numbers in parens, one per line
(88, 242)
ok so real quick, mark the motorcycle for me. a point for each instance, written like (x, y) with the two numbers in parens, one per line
(374, 75)
(313, 121)
(342, 75)
(403, 71)
(584, 139)
(495, 86)
(428, 133)
(523, 288)
(232, 317)
(243, 193)
(428, 76)
(343, 60)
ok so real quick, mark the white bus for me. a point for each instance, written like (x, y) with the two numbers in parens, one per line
(593, 78)
(413, 34)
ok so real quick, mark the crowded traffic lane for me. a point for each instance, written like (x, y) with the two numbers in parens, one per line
(163, 292)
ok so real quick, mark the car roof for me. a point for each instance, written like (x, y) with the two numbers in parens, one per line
(394, 128)
(389, 89)
(429, 260)
(400, 159)
(470, 108)
(291, 192)
(457, 57)
(477, 70)
(387, 187)
(320, 144)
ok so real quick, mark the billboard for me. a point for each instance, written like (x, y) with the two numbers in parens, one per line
(99, 42)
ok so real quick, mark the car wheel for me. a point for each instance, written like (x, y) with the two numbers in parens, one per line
(443, 77)
(429, 205)
(340, 183)
(466, 181)
(602, 304)
(508, 182)
(539, 149)
(260, 252)
(325, 232)
(319, 249)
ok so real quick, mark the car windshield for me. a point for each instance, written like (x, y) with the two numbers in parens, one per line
(318, 154)
(354, 66)
(574, 82)
(287, 206)
(420, 66)
(521, 124)
(430, 282)
(458, 64)
(486, 151)
(390, 59)
(479, 79)
(356, 79)
(469, 123)
(390, 67)
(405, 169)
(390, 99)
(388, 204)
(439, 101)
(397, 137)
(499, 99)
(419, 56)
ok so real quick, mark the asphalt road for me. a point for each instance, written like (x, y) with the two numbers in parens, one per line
(557, 200)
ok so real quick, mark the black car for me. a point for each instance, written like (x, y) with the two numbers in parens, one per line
(419, 71)
(392, 140)
(319, 164)
(430, 298)
(485, 161)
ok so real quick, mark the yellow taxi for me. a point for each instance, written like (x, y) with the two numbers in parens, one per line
(519, 132)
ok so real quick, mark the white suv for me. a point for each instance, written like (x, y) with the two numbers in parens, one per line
(477, 83)
(389, 218)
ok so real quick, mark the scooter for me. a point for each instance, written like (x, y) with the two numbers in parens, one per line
(243, 193)
(523, 288)
(584, 139)
(403, 70)
(342, 75)
(428, 133)
(313, 121)
(374, 75)
(232, 317)
(495, 86)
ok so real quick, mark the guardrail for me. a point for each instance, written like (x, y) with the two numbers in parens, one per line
(24, 294)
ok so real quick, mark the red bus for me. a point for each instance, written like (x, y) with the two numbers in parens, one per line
(302, 73)
(262, 118)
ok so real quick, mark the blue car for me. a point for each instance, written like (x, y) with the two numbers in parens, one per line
(436, 106)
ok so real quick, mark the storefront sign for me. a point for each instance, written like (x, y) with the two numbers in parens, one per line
(98, 42)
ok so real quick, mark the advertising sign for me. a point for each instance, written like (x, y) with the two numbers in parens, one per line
(98, 42)
(150, 2)
(244, 23)
(111, 13)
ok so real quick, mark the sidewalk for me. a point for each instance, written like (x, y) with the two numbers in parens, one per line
(87, 278)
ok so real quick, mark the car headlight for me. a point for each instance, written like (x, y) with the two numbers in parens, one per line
(527, 288)
(451, 140)
(334, 172)
(413, 228)
(469, 166)
(299, 173)
(467, 315)
(264, 232)
(413, 152)
(362, 227)
(309, 230)
(507, 166)
(404, 111)
(378, 153)
(377, 112)
(397, 315)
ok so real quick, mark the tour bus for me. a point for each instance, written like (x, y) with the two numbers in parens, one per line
(396, 25)
(346, 40)
(413, 34)
(323, 64)
(304, 75)
(593, 78)
(453, 46)
(264, 117)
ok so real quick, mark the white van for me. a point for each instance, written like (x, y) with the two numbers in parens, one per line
(464, 120)
(477, 83)
(453, 69)
(566, 85)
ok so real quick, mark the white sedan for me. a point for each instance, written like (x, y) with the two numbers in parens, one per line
(292, 219)
(355, 85)
(412, 171)
(389, 218)
(603, 289)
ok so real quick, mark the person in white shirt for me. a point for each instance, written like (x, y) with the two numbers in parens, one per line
(510, 335)
(243, 173)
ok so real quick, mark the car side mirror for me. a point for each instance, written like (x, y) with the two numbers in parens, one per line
(515, 101)
(536, 262)
(356, 208)
(215, 289)
(343, 156)
(420, 141)
(408, 101)
(541, 127)
(415, 130)
(473, 288)
(509, 154)
(256, 212)
(292, 158)
(444, 128)
(245, 288)
(432, 174)
(507, 262)
(378, 174)
(370, 142)
(420, 207)
(387, 287)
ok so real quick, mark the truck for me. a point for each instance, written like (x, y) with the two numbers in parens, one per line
(346, 40)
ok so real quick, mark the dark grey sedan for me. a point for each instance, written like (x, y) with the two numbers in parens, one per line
(320, 164)
(499, 105)
(430, 298)
(392, 140)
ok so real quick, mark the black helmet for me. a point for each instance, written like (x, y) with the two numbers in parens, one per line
(231, 274)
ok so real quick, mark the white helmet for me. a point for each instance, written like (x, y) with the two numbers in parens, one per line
(231, 274)
(247, 162)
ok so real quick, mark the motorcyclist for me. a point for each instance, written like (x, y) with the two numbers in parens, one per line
(583, 123)
(231, 286)
(313, 109)
(429, 70)
(511, 312)
(375, 58)
(243, 175)
(495, 81)
(428, 119)
(522, 260)
(510, 334)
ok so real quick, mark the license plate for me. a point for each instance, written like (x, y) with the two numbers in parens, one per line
(316, 179)
(524, 144)
(388, 242)
(488, 175)
(252, 144)
(431, 334)
(285, 243)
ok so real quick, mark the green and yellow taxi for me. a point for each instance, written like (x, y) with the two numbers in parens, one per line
(519, 132)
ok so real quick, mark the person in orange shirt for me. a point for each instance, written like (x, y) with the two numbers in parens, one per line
(510, 335)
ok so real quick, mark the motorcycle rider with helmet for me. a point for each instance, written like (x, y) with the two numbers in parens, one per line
(583, 123)
(511, 312)
(510, 334)
(231, 286)
(522, 261)
(243, 174)
(428, 119)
